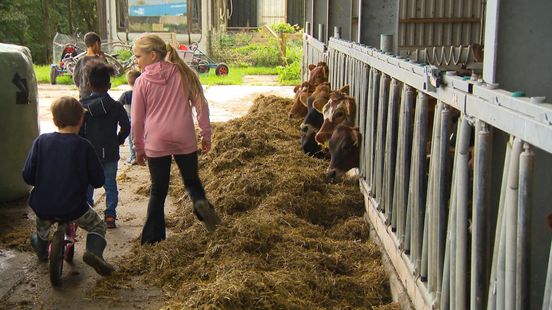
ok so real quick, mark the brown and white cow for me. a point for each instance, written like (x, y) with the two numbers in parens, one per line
(318, 73)
(314, 119)
(340, 109)
(299, 106)
(344, 148)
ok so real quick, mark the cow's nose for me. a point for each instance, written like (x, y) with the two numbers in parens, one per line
(331, 176)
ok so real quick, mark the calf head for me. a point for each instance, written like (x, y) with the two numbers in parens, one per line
(341, 108)
(318, 73)
(299, 106)
(312, 122)
(344, 151)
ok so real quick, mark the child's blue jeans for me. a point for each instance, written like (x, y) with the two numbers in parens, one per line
(130, 144)
(111, 191)
(131, 147)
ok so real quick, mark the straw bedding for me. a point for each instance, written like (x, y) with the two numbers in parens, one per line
(288, 239)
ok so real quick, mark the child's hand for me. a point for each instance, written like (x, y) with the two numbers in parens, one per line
(205, 146)
(141, 159)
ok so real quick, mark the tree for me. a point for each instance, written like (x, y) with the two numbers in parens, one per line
(33, 23)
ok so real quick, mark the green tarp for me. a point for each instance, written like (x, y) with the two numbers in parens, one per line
(18, 118)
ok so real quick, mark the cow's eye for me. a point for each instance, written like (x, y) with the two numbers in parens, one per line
(346, 147)
(304, 129)
(339, 114)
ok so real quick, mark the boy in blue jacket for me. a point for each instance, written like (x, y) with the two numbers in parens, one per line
(61, 165)
(102, 118)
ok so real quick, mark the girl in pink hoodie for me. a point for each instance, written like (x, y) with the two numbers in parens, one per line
(163, 128)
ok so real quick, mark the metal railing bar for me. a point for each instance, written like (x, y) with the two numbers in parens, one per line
(462, 215)
(526, 164)
(492, 302)
(511, 227)
(480, 215)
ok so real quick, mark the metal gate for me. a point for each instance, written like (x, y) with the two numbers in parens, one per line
(454, 216)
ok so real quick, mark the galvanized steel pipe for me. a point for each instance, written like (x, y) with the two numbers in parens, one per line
(440, 205)
(481, 203)
(526, 164)
(547, 299)
(391, 147)
(511, 227)
(492, 300)
(462, 214)
(381, 134)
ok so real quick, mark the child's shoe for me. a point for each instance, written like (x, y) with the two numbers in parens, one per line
(95, 245)
(205, 212)
(110, 221)
(40, 246)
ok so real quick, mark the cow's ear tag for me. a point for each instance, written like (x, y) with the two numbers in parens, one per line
(22, 96)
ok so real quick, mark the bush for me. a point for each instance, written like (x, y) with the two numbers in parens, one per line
(285, 28)
(260, 54)
(290, 74)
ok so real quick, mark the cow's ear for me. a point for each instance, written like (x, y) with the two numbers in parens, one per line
(312, 66)
(350, 106)
(310, 101)
(356, 136)
(345, 89)
(296, 88)
(318, 104)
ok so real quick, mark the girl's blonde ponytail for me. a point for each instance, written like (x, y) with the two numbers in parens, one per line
(153, 43)
(189, 76)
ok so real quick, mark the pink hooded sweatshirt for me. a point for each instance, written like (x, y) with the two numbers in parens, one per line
(161, 113)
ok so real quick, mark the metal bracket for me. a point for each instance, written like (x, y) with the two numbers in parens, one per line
(432, 78)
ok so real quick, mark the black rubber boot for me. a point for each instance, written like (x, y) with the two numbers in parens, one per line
(40, 246)
(205, 212)
(95, 245)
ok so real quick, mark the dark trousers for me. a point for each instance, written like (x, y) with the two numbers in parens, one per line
(160, 168)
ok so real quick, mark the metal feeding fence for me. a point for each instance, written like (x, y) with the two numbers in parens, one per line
(449, 171)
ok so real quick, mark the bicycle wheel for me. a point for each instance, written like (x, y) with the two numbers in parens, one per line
(53, 75)
(119, 69)
(56, 255)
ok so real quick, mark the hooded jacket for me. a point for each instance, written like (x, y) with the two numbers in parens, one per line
(162, 121)
(102, 117)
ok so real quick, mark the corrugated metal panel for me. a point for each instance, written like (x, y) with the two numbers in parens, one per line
(439, 22)
(271, 12)
(243, 13)
(296, 12)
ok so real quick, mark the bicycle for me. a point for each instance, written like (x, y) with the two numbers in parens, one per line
(61, 248)
(69, 49)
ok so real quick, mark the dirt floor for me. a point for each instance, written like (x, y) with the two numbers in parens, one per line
(288, 239)
(24, 282)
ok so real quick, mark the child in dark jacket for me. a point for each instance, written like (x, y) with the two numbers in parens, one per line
(126, 100)
(102, 117)
(61, 165)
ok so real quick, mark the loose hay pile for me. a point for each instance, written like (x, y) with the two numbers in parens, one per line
(288, 240)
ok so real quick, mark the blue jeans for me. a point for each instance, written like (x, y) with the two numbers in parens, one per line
(110, 186)
(131, 147)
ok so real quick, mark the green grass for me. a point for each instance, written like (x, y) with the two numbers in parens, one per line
(234, 77)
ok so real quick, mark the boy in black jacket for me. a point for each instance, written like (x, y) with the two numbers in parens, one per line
(61, 165)
(102, 117)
